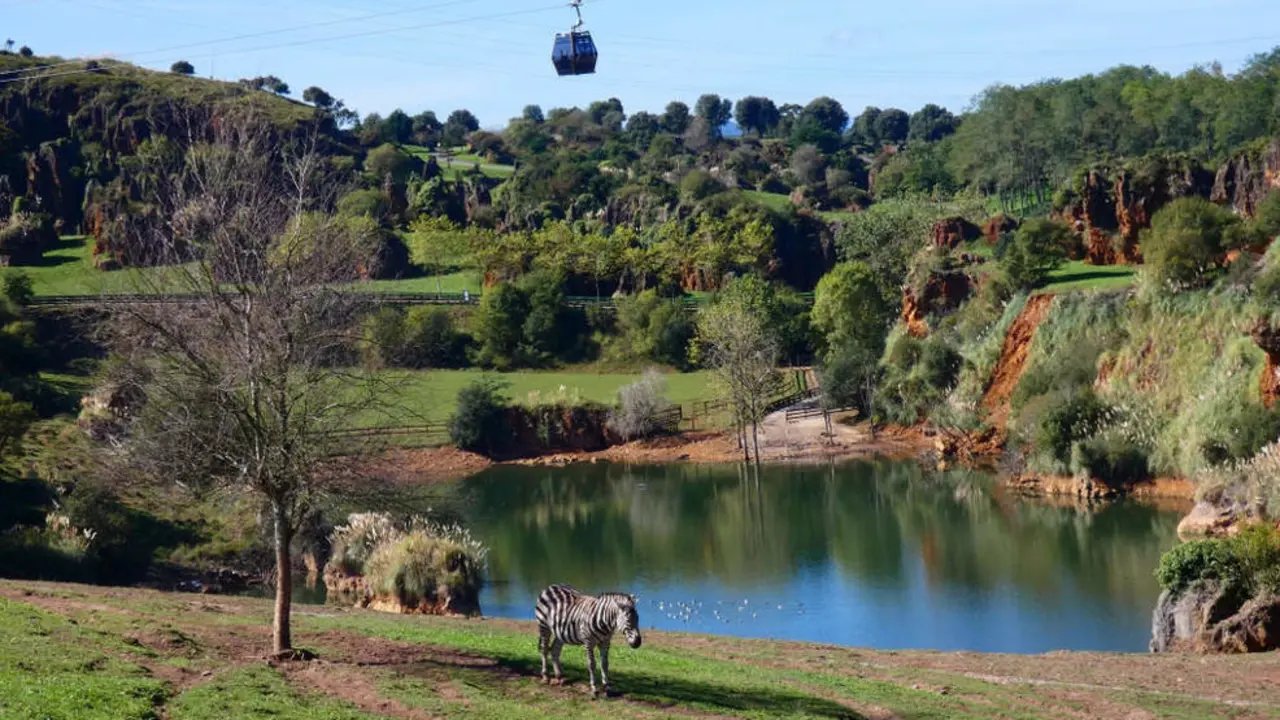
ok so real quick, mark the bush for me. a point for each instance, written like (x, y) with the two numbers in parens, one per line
(1037, 248)
(1252, 427)
(1061, 425)
(1115, 462)
(1200, 560)
(429, 565)
(1186, 241)
(639, 405)
(25, 237)
(383, 338)
(353, 543)
(700, 185)
(478, 420)
(431, 340)
(1245, 565)
(652, 328)
(918, 374)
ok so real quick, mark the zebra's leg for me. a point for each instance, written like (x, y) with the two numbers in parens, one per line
(591, 666)
(544, 644)
(556, 646)
(604, 667)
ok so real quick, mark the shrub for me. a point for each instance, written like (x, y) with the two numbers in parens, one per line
(639, 405)
(431, 340)
(420, 569)
(26, 236)
(1114, 461)
(353, 543)
(1267, 218)
(918, 374)
(1185, 242)
(1200, 560)
(652, 328)
(1077, 418)
(1258, 547)
(1038, 247)
(418, 563)
(383, 338)
(477, 422)
(700, 185)
(1244, 565)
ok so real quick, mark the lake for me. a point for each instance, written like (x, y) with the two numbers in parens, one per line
(872, 554)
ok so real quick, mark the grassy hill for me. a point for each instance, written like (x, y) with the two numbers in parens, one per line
(70, 651)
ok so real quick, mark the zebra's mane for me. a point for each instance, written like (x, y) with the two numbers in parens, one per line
(622, 600)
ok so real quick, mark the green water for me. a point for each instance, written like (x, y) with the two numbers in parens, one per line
(882, 555)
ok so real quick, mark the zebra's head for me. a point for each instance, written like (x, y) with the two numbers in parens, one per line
(629, 619)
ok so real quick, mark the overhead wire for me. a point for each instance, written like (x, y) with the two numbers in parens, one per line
(309, 41)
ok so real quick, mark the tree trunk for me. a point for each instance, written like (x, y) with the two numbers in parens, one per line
(282, 640)
(755, 440)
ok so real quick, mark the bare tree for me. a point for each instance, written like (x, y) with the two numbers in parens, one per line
(732, 340)
(246, 378)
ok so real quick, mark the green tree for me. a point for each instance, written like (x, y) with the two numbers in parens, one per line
(642, 128)
(675, 120)
(827, 113)
(931, 123)
(437, 245)
(892, 126)
(1039, 246)
(714, 111)
(499, 326)
(318, 97)
(758, 114)
(457, 127)
(397, 128)
(865, 130)
(477, 419)
(182, 67)
(850, 311)
(533, 113)
(1186, 241)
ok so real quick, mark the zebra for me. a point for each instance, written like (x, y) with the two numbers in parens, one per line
(568, 617)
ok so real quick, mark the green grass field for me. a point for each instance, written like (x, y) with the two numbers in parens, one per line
(780, 203)
(75, 652)
(427, 284)
(430, 396)
(462, 163)
(69, 270)
(1076, 275)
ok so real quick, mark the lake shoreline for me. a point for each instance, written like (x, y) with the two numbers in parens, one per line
(803, 443)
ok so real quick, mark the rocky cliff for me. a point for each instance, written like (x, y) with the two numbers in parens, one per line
(1243, 181)
(1109, 206)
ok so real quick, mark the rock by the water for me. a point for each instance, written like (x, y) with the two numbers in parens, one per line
(1207, 618)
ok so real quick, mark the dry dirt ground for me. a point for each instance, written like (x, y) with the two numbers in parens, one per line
(375, 665)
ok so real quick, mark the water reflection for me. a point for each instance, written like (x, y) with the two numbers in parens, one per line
(873, 554)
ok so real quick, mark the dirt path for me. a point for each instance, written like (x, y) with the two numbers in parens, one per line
(1013, 359)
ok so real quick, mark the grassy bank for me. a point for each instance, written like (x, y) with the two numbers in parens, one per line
(69, 651)
(431, 395)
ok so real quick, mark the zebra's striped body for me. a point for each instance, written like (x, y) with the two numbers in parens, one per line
(568, 617)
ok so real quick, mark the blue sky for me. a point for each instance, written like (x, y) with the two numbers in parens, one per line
(493, 56)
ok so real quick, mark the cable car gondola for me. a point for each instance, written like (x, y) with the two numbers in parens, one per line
(574, 53)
